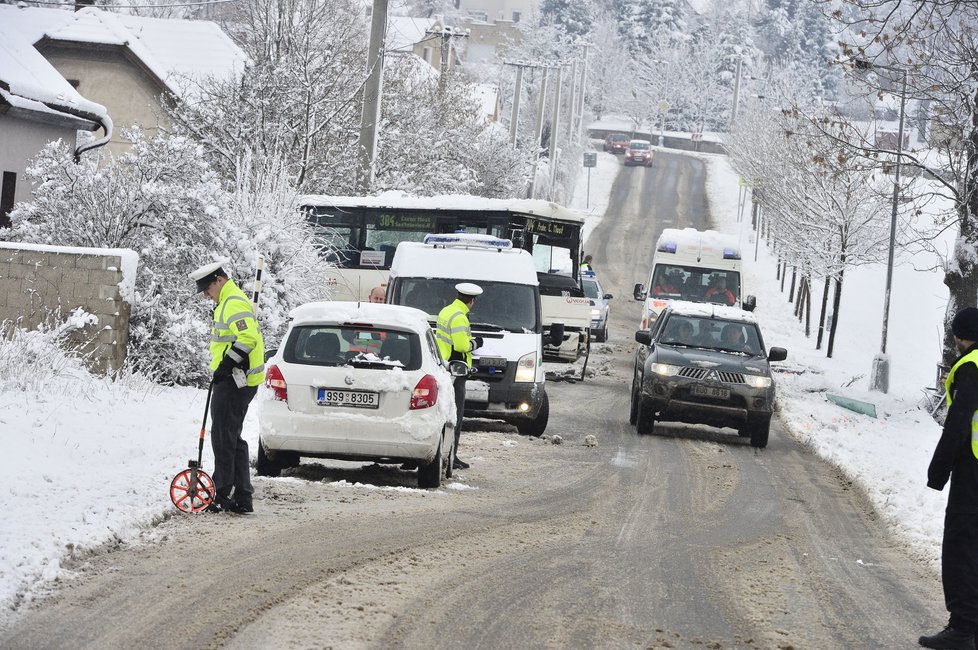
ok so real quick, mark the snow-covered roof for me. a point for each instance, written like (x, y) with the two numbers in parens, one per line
(397, 199)
(403, 32)
(487, 96)
(417, 260)
(380, 315)
(689, 240)
(177, 52)
(32, 83)
(710, 310)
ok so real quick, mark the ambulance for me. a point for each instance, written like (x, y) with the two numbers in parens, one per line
(695, 266)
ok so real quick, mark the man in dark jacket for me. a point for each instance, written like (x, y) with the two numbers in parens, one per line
(956, 457)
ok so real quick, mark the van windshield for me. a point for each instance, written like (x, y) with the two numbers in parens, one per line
(695, 284)
(508, 306)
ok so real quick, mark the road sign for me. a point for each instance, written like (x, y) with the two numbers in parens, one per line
(590, 159)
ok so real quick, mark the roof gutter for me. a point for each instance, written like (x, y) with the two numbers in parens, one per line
(106, 123)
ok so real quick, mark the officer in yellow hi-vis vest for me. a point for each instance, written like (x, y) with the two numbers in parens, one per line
(956, 457)
(455, 343)
(238, 363)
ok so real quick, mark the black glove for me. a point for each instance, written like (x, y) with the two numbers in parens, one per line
(476, 342)
(224, 370)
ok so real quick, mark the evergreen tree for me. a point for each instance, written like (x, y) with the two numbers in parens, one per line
(575, 17)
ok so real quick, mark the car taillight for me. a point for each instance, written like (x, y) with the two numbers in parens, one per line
(276, 382)
(425, 393)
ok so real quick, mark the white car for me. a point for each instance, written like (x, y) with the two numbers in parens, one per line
(358, 381)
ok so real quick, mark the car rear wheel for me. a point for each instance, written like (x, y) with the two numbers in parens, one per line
(645, 422)
(429, 476)
(537, 425)
(759, 434)
(450, 465)
(264, 465)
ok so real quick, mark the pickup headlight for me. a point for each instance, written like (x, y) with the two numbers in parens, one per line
(526, 368)
(756, 381)
(665, 369)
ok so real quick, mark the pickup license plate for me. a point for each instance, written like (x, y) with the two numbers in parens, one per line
(358, 399)
(710, 391)
(476, 391)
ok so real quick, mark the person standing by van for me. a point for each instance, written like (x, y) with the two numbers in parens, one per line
(456, 343)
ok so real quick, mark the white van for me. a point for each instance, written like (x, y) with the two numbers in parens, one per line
(508, 383)
(696, 266)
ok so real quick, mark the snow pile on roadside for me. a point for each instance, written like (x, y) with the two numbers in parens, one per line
(86, 460)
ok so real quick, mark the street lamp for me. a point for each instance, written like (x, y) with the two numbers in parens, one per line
(881, 363)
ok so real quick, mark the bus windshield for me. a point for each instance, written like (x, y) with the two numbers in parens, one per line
(502, 305)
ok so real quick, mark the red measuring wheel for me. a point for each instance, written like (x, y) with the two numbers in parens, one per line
(192, 490)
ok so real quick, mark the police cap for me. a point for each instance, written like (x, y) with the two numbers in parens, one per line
(206, 274)
(468, 289)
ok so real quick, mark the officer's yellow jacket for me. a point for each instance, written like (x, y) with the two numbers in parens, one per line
(235, 334)
(452, 333)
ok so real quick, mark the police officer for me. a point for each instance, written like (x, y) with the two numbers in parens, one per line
(956, 456)
(455, 343)
(586, 263)
(238, 363)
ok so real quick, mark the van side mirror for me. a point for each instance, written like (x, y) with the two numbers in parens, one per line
(556, 334)
(644, 337)
(639, 292)
(608, 296)
(270, 353)
(750, 303)
(777, 354)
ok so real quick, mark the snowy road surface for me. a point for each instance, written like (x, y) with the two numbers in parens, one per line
(682, 539)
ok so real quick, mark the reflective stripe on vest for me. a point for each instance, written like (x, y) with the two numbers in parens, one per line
(971, 357)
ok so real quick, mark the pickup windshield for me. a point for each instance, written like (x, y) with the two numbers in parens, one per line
(503, 305)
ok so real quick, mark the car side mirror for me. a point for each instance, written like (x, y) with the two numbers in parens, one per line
(750, 303)
(458, 368)
(556, 334)
(644, 337)
(777, 354)
(639, 292)
(270, 353)
(608, 296)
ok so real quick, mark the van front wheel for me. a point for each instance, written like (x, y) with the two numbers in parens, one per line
(537, 425)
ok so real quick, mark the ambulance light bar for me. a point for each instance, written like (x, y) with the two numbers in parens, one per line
(468, 240)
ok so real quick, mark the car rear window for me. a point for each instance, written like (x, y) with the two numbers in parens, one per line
(337, 345)
(639, 146)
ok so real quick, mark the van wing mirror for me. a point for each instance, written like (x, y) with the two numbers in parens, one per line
(750, 303)
(777, 354)
(608, 296)
(556, 334)
(639, 292)
(644, 337)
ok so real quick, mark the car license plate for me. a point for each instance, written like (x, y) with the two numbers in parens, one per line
(476, 391)
(352, 398)
(710, 391)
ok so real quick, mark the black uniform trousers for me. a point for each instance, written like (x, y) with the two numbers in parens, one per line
(959, 569)
(229, 405)
(459, 386)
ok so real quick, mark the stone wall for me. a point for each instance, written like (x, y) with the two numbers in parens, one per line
(41, 283)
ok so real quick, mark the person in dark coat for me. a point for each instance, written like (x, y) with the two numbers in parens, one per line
(956, 458)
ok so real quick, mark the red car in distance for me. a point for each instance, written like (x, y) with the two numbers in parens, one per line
(616, 143)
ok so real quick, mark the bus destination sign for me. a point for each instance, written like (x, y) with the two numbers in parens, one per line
(405, 221)
(550, 228)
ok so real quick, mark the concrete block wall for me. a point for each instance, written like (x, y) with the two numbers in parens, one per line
(37, 282)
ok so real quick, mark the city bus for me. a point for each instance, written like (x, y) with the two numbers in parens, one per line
(363, 232)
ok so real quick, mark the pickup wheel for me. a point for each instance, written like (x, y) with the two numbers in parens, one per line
(633, 405)
(645, 423)
(759, 434)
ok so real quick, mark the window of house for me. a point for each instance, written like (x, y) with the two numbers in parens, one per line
(517, 15)
(7, 197)
(426, 55)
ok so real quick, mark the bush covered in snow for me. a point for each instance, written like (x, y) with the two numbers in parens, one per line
(162, 200)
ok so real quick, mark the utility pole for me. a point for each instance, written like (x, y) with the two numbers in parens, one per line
(736, 97)
(554, 130)
(580, 108)
(573, 103)
(446, 33)
(373, 90)
(538, 131)
(514, 120)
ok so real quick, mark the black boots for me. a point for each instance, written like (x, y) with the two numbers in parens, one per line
(949, 639)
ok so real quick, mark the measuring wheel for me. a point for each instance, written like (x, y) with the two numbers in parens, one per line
(192, 499)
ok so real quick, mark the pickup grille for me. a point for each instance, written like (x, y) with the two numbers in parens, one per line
(707, 373)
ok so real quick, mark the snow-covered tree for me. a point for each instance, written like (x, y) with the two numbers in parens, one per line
(574, 17)
(162, 199)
